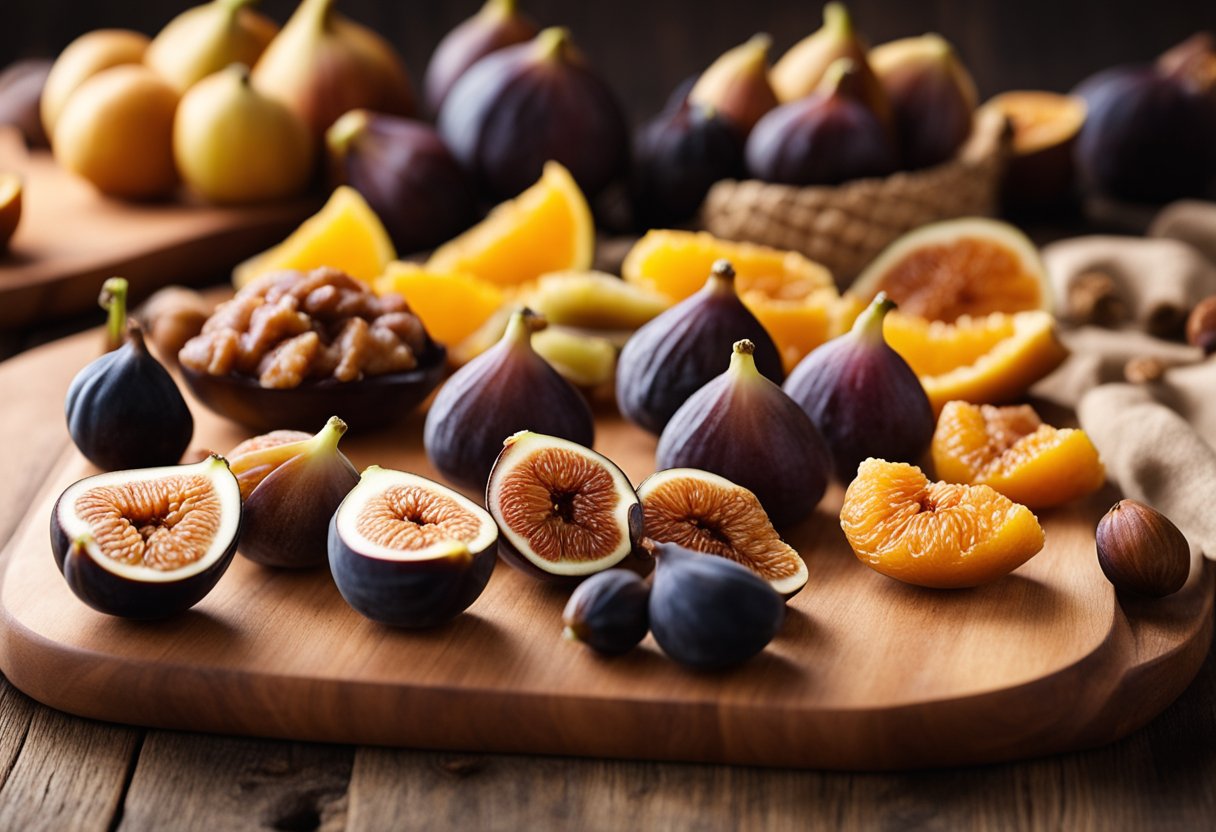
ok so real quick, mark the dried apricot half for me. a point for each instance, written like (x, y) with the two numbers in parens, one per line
(934, 534)
(1010, 449)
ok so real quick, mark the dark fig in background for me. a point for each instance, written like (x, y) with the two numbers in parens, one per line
(680, 351)
(677, 156)
(406, 173)
(497, 24)
(707, 612)
(506, 389)
(523, 105)
(863, 396)
(932, 97)
(20, 92)
(829, 137)
(744, 427)
(736, 84)
(609, 612)
(124, 409)
(207, 38)
(1149, 134)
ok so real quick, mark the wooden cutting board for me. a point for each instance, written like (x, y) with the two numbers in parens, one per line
(867, 673)
(71, 239)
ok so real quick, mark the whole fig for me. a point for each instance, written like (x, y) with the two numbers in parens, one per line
(863, 396)
(407, 175)
(744, 427)
(826, 138)
(497, 24)
(609, 612)
(523, 105)
(506, 389)
(737, 84)
(679, 352)
(207, 38)
(677, 156)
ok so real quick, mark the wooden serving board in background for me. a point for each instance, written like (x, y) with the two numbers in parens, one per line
(71, 239)
(867, 673)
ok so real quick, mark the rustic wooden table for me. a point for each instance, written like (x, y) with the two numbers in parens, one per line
(60, 772)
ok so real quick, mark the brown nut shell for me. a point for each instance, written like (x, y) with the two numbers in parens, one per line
(1141, 551)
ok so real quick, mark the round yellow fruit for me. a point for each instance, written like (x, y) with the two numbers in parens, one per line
(83, 58)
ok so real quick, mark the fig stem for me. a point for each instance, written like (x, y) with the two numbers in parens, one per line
(743, 360)
(836, 18)
(521, 326)
(552, 42)
(757, 47)
(234, 6)
(499, 8)
(869, 322)
(314, 11)
(328, 436)
(837, 73)
(113, 299)
(345, 130)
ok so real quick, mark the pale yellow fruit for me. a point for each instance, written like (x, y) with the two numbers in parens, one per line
(83, 58)
(207, 38)
(117, 132)
(234, 145)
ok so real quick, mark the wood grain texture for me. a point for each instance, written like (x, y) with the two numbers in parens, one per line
(868, 673)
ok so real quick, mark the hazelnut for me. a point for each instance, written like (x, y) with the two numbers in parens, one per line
(1141, 551)
(1201, 325)
(1144, 370)
(1093, 298)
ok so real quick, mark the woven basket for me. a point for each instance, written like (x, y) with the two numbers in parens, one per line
(845, 227)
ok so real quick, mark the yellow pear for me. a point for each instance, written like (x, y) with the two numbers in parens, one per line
(234, 145)
(83, 58)
(205, 39)
(117, 132)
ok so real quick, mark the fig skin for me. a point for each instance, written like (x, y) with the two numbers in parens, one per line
(124, 410)
(496, 25)
(505, 390)
(863, 396)
(679, 352)
(737, 84)
(678, 156)
(205, 39)
(523, 105)
(609, 612)
(407, 175)
(21, 85)
(125, 597)
(744, 427)
(827, 138)
(709, 613)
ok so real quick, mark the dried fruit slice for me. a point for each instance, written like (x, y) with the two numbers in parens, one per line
(1010, 449)
(969, 266)
(408, 552)
(10, 207)
(150, 542)
(565, 511)
(708, 513)
(346, 235)
(932, 533)
(594, 300)
(587, 361)
(451, 305)
(547, 228)
(991, 359)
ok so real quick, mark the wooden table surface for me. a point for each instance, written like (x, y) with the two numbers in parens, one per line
(58, 772)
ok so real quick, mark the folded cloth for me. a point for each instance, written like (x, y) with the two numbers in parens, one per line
(1191, 221)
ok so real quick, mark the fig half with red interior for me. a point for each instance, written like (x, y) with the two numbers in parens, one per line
(565, 511)
(147, 543)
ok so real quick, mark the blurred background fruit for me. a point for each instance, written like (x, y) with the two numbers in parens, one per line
(83, 58)
(497, 24)
(1041, 172)
(207, 38)
(801, 70)
(737, 84)
(10, 207)
(21, 86)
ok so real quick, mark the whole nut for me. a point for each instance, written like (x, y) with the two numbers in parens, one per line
(1201, 325)
(1141, 551)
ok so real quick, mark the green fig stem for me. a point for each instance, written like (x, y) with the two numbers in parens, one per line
(552, 43)
(498, 8)
(756, 48)
(521, 326)
(836, 18)
(233, 7)
(343, 132)
(836, 75)
(869, 322)
(569, 635)
(743, 359)
(316, 12)
(327, 438)
(113, 299)
(721, 278)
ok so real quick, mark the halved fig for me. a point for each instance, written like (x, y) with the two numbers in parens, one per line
(708, 513)
(150, 542)
(408, 552)
(565, 512)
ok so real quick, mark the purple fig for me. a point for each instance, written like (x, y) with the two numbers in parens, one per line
(737, 85)
(521, 106)
(744, 427)
(609, 612)
(679, 352)
(496, 25)
(863, 396)
(678, 155)
(505, 390)
(825, 139)
(406, 173)
(21, 86)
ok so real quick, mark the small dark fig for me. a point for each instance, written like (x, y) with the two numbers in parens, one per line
(829, 137)
(407, 175)
(506, 389)
(1149, 133)
(863, 396)
(523, 105)
(737, 84)
(497, 24)
(21, 86)
(932, 97)
(124, 409)
(679, 352)
(744, 427)
(1141, 551)
(564, 511)
(609, 612)
(707, 612)
(407, 552)
(147, 543)
(290, 490)
(677, 156)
